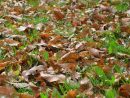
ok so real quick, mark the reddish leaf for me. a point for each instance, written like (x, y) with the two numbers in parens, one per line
(7, 91)
(71, 94)
(124, 90)
(58, 14)
(25, 96)
(70, 57)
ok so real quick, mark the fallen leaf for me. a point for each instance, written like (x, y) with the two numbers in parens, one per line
(58, 14)
(25, 95)
(70, 57)
(7, 91)
(3, 65)
(71, 94)
(25, 27)
(53, 78)
(32, 71)
(94, 52)
(39, 26)
(124, 90)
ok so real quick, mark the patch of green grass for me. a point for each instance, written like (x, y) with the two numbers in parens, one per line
(42, 95)
(101, 78)
(112, 45)
(33, 2)
(33, 35)
(62, 91)
(81, 96)
(25, 90)
(88, 39)
(2, 56)
(56, 94)
(67, 87)
(40, 20)
(110, 93)
(118, 69)
(46, 55)
(123, 6)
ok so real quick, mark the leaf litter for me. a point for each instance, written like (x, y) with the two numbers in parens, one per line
(47, 42)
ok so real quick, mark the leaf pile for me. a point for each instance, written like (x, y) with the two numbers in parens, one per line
(65, 48)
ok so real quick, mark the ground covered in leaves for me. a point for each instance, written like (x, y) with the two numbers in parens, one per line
(64, 49)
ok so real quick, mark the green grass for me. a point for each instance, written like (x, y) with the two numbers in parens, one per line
(46, 55)
(110, 93)
(25, 90)
(123, 6)
(42, 95)
(37, 20)
(62, 90)
(33, 2)
(101, 78)
(2, 56)
(111, 43)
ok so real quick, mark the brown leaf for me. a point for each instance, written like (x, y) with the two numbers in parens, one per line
(32, 71)
(3, 65)
(84, 54)
(68, 67)
(94, 52)
(52, 77)
(45, 35)
(70, 57)
(7, 91)
(25, 27)
(71, 94)
(3, 79)
(58, 14)
(83, 33)
(106, 69)
(24, 95)
(124, 90)
(75, 23)
(86, 86)
(125, 29)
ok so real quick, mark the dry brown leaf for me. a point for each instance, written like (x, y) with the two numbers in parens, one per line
(52, 77)
(124, 90)
(94, 52)
(71, 94)
(7, 91)
(125, 29)
(39, 26)
(84, 54)
(25, 27)
(3, 79)
(3, 65)
(24, 95)
(68, 67)
(70, 57)
(58, 14)
(32, 71)
(86, 86)
(45, 35)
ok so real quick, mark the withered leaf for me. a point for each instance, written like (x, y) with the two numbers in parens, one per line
(124, 90)
(32, 71)
(70, 57)
(58, 14)
(7, 91)
(53, 77)
(23, 28)
(71, 94)
(25, 95)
